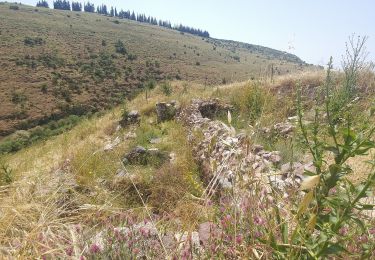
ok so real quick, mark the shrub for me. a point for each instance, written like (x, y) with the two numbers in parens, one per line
(44, 89)
(51, 60)
(132, 57)
(329, 187)
(29, 41)
(18, 97)
(6, 174)
(120, 47)
(14, 7)
(166, 88)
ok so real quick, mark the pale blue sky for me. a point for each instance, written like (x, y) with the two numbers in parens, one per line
(313, 30)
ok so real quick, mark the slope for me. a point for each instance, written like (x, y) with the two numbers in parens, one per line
(57, 63)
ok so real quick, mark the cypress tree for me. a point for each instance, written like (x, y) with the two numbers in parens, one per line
(42, 3)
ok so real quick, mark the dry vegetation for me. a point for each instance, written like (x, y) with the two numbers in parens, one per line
(64, 189)
(67, 196)
(56, 63)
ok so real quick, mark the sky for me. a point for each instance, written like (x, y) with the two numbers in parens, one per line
(313, 30)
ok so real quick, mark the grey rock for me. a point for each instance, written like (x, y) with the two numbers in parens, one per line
(130, 135)
(110, 146)
(155, 141)
(133, 117)
(142, 156)
(165, 111)
(257, 148)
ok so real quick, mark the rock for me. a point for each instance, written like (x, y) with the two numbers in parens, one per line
(265, 130)
(165, 111)
(130, 135)
(155, 141)
(172, 157)
(133, 117)
(275, 158)
(208, 231)
(257, 148)
(110, 146)
(169, 241)
(283, 128)
(188, 238)
(142, 156)
(121, 177)
(136, 156)
(212, 108)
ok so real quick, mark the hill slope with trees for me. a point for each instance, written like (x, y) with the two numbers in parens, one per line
(57, 63)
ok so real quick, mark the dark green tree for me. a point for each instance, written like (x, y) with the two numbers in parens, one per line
(89, 7)
(76, 6)
(42, 3)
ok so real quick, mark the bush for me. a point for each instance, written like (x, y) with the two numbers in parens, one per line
(44, 88)
(22, 138)
(6, 174)
(329, 187)
(166, 88)
(120, 47)
(14, 7)
(29, 41)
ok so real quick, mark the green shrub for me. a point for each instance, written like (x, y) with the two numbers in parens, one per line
(21, 138)
(14, 7)
(6, 174)
(166, 88)
(29, 41)
(120, 47)
(328, 187)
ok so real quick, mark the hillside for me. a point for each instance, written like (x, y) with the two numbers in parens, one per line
(57, 63)
(178, 176)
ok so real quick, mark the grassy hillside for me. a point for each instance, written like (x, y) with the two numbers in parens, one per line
(56, 63)
(66, 191)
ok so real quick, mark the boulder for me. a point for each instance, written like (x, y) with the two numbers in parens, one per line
(111, 145)
(283, 129)
(165, 111)
(136, 156)
(133, 117)
(212, 108)
(142, 156)
(130, 135)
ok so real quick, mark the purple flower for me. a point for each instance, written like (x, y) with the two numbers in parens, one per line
(343, 231)
(94, 249)
(258, 220)
(239, 239)
(363, 239)
(257, 234)
(69, 251)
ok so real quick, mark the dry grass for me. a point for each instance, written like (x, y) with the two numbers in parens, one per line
(66, 183)
(77, 39)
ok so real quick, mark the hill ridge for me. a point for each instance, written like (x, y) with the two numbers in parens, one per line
(60, 63)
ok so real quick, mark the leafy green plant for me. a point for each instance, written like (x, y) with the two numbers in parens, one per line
(120, 47)
(148, 86)
(166, 88)
(331, 202)
(6, 176)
